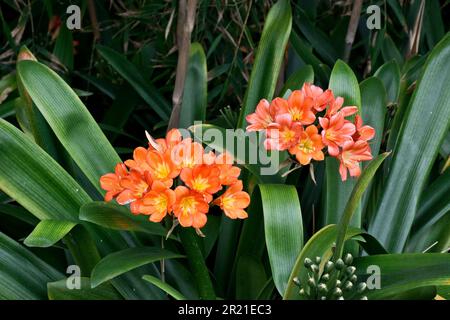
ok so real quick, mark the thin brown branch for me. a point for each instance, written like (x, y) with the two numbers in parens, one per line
(185, 25)
(94, 22)
(352, 27)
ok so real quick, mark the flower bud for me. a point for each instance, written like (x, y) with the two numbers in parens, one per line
(329, 266)
(350, 270)
(339, 264)
(308, 262)
(348, 259)
(325, 277)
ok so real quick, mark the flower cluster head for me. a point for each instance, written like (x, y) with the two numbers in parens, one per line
(311, 120)
(147, 182)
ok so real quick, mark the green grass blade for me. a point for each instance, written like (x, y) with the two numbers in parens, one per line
(269, 57)
(425, 126)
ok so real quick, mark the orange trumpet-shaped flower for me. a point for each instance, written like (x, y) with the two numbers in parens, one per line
(187, 154)
(172, 138)
(365, 133)
(110, 182)
(262, 117)
(300, 108)
(283, 133)
(336, 106)
(190, 208)
(352, 154)
(135, 186)
(309, 146)
(336, 131)
(139, 162)
(228, 173)
(320, 98)
(234, 201)
(202, 178)
(158, 202)
(161, 167)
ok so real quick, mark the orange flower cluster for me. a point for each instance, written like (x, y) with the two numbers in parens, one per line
(291, 125)
(146, 182)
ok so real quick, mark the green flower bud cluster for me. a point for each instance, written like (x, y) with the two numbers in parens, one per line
(331, 280)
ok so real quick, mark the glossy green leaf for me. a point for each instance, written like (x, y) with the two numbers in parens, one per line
(195, 98)
(389, 74)
(35, 180)
(22, 274)
(120, 262)
(70, 120)
(403, 272)
(434, 202)
(343, 82)
(58, 291)
(297, 79)
(319, 245)
(8, 108)
(250, 277)
(48, 232)
(373, 109)
(63, 49)
(113, 216)
(165, 287)
(283, 230)
(354, 202)
(269, 57)
(132, 74)
(425, 126)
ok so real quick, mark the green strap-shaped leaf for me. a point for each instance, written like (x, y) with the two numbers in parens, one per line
(283, 230)
(70, 120)
(343, 82)
(425, 126)
(250, 277)
(35, 180)
(373, 105)
(403, 272)
(132, 74)
(165, 287)
(389, 74)
(297, 79)
(123, 261)
(22, 274)
(113, 216)
(195, 91)
(354, 202)
(269, 57)
(48, 232)
(59, 291)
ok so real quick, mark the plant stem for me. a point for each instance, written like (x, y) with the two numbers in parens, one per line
(197, 264)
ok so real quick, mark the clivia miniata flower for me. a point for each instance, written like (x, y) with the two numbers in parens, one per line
(147, 182)
(310, 120)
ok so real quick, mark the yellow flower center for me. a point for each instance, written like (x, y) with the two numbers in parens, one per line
(162, 170)
(187, 205)
(200, 184)
(296, 114)
(288, 135)
(228, 202)
(306, 146)
(140, 188)
(160, 203)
